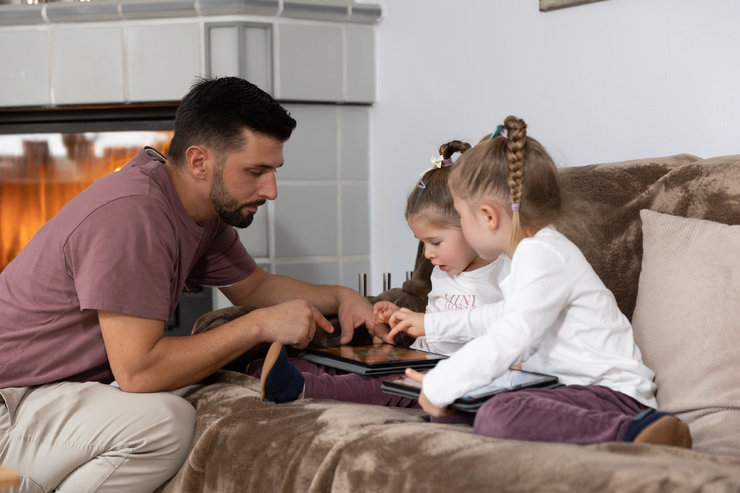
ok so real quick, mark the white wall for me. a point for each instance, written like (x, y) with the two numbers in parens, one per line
(608, 81)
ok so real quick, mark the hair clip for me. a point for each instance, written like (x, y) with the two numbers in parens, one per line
(500, 130)
(437, 163)
(515, 207)
(440, 162)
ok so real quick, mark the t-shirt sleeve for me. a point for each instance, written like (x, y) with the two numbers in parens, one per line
(226, 261)
(122, 258)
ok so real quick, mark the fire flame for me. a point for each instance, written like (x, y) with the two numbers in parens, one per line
(35, 185)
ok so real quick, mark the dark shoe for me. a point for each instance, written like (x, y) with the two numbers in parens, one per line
(280, 380)
(242, 363)
(651, 426)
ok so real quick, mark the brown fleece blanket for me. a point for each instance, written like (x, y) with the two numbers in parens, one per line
(242, 444)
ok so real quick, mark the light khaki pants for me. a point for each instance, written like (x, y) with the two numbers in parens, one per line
(90, 437)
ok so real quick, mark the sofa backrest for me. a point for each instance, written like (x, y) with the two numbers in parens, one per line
(602, 206)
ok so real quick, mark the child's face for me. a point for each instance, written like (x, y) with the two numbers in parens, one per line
(487, 242)
(443, 246)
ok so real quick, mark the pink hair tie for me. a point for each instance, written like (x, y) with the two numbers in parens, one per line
(515, 207)
(440, 162)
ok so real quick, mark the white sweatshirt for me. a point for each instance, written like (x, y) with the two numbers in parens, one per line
(558, 319)
(446, 328)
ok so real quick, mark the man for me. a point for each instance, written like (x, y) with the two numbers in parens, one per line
(85, 302)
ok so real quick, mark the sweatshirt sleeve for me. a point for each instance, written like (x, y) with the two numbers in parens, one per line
(538, 294)
(461, 325)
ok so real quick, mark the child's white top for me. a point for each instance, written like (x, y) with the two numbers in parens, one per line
(447, 328)
(558, 319)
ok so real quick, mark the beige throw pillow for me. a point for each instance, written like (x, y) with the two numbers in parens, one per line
(687, 324)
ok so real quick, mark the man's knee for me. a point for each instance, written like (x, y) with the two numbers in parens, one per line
(167, 433)
(172, 420)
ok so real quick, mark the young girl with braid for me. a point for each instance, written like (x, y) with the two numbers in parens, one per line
(558, 316)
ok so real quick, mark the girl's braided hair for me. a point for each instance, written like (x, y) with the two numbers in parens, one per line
(514, 169)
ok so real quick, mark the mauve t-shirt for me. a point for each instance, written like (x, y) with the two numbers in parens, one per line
(126, 244)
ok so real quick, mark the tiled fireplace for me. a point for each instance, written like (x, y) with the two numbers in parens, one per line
(121, 60)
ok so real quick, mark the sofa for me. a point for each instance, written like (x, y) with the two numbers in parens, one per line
(663, 235)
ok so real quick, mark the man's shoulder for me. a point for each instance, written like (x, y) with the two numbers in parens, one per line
(132, 193)
(143, 176)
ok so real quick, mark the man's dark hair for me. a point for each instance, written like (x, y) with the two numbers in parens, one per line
(216, 111)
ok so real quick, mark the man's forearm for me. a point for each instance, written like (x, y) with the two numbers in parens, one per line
(144, 361)
(274, 289)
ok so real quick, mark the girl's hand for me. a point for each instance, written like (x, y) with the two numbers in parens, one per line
(427, 406)
(382, 311)
(408, 321)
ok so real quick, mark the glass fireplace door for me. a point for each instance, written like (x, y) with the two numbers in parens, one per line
(41, 172)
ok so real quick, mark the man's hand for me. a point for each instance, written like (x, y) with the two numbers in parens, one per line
(407, 321)
(353, 311)
(427, 406)
(292, 323)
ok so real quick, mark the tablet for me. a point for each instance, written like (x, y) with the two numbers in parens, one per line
(373, 359)
(510, 381)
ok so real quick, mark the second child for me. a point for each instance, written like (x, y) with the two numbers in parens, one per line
(461, 279)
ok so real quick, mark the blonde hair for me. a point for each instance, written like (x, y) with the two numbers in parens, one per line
(431, 198)
(514, 169)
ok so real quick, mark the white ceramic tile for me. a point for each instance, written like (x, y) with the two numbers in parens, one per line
(313, 272)
(334, 10)
(24, 78)
(309, 58)
(311, 152)
(351, 270)
(99, 10)
(223, 52)
(21, 15)
(163, 60)
(354, 136)
(365, 13)
(258, 56)
(360, 64)
(241, 49)
(88, 65)
(255, 236)
(221, 301)
(245, 7)
(355, 214)
(305, 221)
(152, 9)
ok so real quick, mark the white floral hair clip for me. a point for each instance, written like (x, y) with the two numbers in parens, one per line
(440, 162)
(437, 163)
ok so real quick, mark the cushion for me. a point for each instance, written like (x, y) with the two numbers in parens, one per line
(687, 324)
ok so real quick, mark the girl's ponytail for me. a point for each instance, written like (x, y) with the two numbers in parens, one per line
(513, 168)
(431, 196)
(516, 140)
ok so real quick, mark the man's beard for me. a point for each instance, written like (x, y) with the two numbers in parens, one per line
(227, 207)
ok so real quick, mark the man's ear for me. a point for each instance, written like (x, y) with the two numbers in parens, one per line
(196, 159)
(491, 215)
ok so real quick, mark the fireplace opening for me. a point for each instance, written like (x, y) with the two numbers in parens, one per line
(47, 157)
